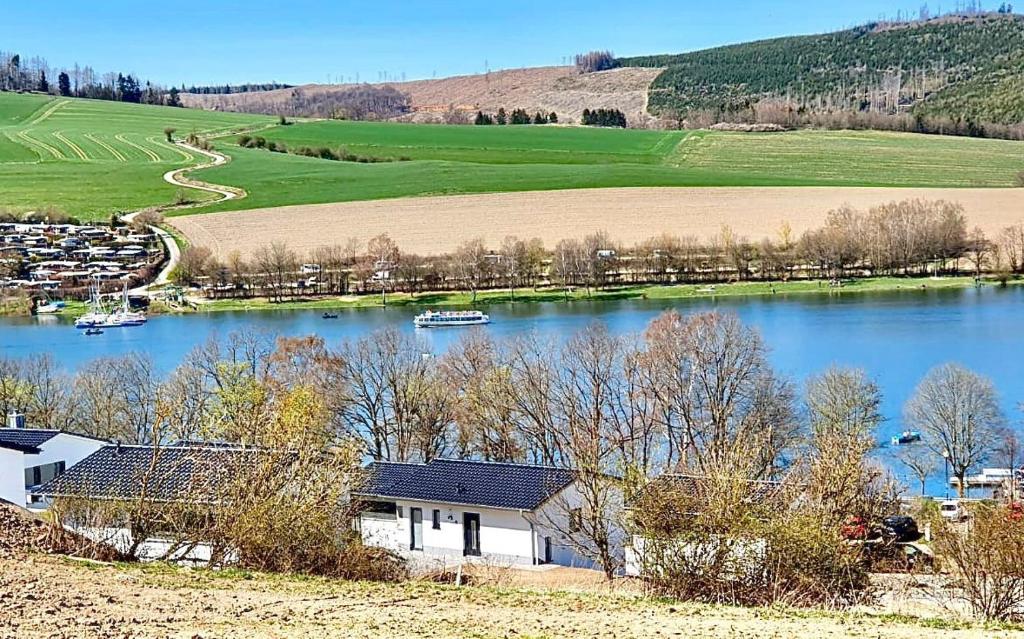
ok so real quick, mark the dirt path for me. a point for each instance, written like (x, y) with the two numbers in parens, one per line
(177, 177)
(48, 597)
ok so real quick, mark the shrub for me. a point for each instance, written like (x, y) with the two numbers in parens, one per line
(986, 556)
(716, 545)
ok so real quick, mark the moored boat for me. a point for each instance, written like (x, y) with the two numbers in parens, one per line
(430, 319)
(906, 437)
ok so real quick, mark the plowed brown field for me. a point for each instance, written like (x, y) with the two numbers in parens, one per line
(429, 225)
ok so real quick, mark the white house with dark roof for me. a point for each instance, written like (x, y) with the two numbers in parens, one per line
(451, 511)
(30, 457)
(164, 474)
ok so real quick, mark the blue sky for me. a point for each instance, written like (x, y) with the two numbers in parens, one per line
(298, 41)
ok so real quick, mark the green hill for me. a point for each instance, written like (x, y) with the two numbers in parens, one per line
(953, 67)
(91, 158)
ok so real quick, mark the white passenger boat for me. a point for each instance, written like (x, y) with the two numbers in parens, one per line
(430, 319)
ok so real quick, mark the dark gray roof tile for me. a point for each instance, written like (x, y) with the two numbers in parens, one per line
(163, 473)
(472, 483)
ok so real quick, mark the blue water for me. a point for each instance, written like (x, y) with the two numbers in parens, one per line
(896, 337)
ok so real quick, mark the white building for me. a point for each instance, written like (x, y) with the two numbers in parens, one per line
(451, 511)
(30, 457)
(164, 474)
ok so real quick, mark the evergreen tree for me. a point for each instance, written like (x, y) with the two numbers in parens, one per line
(44, 86)
(502, 116)
(173, 98)
(539, 119)
(64, 84)
(553, 118)
(586, 120)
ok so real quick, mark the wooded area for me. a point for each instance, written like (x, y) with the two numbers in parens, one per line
(35, 74)
(951, 72)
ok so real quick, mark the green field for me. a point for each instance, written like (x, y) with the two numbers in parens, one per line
(92, 158)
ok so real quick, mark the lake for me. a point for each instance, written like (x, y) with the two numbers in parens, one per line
(896, 337)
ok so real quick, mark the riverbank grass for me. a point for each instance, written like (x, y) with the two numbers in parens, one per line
(462, 299)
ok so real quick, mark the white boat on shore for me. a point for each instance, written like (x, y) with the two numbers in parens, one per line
(98, 317)
(430, 319)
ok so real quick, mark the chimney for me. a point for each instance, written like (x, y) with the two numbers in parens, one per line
(15, 419)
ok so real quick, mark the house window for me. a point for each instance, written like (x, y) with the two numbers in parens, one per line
(38, 475)
(380, 510)
(436, 520)
(575, 520)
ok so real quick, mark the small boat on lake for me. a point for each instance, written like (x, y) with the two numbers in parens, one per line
(906, 437)
(430, 319)
(94, 331)
(329, 316)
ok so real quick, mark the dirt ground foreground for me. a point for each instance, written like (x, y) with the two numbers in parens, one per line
(42, 596)
(430, 225)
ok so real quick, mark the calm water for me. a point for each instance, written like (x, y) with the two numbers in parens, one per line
(896, 337)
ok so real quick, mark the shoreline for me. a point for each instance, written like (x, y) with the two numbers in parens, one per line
(462, 299)
(492, 297)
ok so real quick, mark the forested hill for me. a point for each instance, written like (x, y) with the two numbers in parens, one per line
(968, 67)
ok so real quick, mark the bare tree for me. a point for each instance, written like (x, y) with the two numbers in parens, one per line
(720, 395)
(382, 256)
(958, 412)
(920, 461)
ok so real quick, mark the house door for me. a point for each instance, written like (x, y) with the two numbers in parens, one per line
(416, 529)
(547, 550)
(471, 534)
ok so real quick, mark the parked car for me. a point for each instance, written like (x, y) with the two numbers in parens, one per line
(900, 528)
(1016, 511)
(951, 509)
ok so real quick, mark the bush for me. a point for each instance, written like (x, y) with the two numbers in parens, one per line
(986, 556)
(716, 545)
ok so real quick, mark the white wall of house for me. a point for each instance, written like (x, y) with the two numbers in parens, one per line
(63, 447)
(68, 448)
(12, 476)
(507, 537)
(152, 549)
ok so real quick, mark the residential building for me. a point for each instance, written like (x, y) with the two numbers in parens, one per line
(31, 457)
(163, 474)
(450, 511)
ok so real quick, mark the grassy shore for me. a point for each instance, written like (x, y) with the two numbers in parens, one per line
(648, 292)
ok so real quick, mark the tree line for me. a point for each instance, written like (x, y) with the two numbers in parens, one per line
(518, 116)
(357, 102)
(910, 238)
(228, 89)
(603, 117)
(35, 74)
(341, 154)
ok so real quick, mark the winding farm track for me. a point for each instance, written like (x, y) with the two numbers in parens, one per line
(176, 177)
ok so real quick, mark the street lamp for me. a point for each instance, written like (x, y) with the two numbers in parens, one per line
(945, 457)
